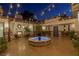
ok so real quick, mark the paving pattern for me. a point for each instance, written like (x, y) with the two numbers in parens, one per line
(59, 46)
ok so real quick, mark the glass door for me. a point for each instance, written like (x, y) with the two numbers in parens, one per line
(55, 31)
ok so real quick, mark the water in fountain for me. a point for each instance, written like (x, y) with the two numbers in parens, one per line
(39, 36)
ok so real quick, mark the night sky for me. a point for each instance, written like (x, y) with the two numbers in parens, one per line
(39, 8)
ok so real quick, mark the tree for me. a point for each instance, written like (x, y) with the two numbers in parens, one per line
(27, 15)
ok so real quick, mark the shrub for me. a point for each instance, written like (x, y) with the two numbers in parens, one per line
(2, 44)
(27, 29)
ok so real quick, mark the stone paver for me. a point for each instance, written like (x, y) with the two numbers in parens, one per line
(59, 47)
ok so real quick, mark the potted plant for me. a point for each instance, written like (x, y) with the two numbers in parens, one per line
(27, 30)
(3, 44)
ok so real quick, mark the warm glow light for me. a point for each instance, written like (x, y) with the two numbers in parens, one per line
(43, 27)
(19, 33)
(23, 26)
(73, 25)
(31, 27)
(6, 25)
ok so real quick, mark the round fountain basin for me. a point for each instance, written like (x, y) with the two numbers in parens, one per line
(42, 42)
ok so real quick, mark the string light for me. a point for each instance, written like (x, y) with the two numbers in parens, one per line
(11, 6)
(17, 10)
(18, 5)
(53, 6)
(49, 9)
(42, 13)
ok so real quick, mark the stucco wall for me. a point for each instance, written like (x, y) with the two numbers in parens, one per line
(73, 23)
(14, 27)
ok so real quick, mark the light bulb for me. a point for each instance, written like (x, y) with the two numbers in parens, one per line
(11, 6)
(42, 13)
(49, 9)
(18, 5)
(53, 6)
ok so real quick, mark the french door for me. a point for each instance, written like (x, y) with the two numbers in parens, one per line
(55, 31)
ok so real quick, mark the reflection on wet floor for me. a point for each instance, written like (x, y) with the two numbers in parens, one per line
(59, 46)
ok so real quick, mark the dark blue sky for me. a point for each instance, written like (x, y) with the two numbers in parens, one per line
(38, 8)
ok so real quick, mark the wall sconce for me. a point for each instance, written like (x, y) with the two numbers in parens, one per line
(19, 26)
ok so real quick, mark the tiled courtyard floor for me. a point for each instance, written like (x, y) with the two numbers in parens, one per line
(59, 47)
